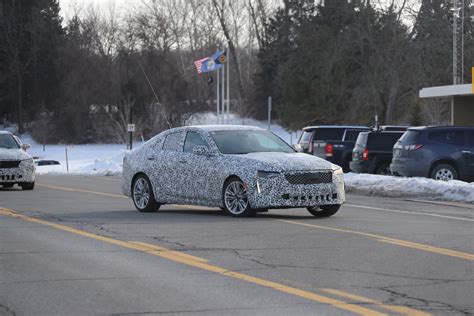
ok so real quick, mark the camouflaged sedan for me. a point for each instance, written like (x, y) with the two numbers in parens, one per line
(241, 169)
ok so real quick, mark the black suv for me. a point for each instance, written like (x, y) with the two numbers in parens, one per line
(313, 139)
(373, 152)
(438, 152)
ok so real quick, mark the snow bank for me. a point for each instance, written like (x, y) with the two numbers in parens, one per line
(390, 185)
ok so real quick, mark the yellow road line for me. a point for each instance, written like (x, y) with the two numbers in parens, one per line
(80, 190)
(201, 264)
(394, 308)
(393, 241)
(106, 194)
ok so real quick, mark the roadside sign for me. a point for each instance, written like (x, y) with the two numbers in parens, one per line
(130, 127)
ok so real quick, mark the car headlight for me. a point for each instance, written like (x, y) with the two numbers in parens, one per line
(267, 174)
(337, 171)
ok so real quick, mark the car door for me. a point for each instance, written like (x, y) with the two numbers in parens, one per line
(468, 153)
(167, 166)
(198, 171)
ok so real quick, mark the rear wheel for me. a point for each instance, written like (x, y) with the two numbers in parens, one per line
(142, 195)
(28, 186)
(324, 210)
(235, 198)
(444, 172)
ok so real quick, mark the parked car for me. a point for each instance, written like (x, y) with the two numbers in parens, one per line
(339, 152)
(240, 169)
(373, 152)
(314, 138)
(438, 152)
(16, 165)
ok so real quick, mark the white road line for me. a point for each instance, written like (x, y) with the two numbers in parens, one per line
(409, 212)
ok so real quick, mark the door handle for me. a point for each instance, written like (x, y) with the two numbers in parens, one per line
(182, 161)
(151, 158)
(466, 152)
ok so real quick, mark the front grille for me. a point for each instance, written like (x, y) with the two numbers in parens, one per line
(9, 164)
(309, 177)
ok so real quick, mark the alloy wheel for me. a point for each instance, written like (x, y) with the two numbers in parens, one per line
(141, 193)
(236, 198)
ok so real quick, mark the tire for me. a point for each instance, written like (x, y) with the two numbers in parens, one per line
(7, 185)
(324, 210)
(444, 172)
(28, 186)
(142, 195)
(383, 169)
(235, 198)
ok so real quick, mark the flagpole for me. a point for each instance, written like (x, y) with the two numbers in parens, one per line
(228, 82)
(223, 94)
(218, 99)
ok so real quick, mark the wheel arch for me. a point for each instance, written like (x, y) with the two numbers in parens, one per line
(443, 161)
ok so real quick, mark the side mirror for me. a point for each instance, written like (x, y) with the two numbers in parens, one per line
(25, 146)
(201, 151)
(298, 148)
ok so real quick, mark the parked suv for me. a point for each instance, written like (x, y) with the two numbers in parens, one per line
(438, 152)
(373, 152)
(313, 139)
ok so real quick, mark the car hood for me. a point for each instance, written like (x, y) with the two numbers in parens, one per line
(13, 154)
(276, 161)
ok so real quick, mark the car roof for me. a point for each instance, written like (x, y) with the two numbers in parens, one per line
(336, 126)
(443, 127)
(5, 132)
(216, 128)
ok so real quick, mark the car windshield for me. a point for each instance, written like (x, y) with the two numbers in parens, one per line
(244, 142)
(7, 141)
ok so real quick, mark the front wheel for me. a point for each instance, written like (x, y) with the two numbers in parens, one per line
(324, 210)
(28, 186)
(142, 195)
(235, 199)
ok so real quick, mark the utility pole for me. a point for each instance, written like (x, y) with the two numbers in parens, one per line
(459, 9)
(269, 113)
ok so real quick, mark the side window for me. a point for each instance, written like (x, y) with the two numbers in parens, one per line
(172, 142)
(193, 139)
(448, 137)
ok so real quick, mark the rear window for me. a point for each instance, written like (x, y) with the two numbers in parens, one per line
(328, 134)
(447, 137)
(383, 141)
(305, 137)
(351, 136)
(410, 137)
(362, 139)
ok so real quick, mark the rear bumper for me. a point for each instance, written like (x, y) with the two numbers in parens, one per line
(409, 168)
(278, 193)
(360, 166)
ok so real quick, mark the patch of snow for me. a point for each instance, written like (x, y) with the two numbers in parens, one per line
(382, 185)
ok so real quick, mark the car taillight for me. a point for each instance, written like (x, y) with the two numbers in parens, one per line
(365, 154)
(413, 147)
(328, 149)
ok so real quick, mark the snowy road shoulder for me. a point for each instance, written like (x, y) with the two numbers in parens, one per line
(420, 187)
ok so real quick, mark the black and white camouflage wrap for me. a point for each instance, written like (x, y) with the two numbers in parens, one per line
(179, 177)
(24, 173)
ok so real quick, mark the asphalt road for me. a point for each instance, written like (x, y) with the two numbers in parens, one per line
(76, 246)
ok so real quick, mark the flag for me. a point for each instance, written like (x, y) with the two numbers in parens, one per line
(211, 63)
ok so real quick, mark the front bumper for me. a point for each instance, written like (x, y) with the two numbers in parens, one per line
(24, 173)
(279, 193)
